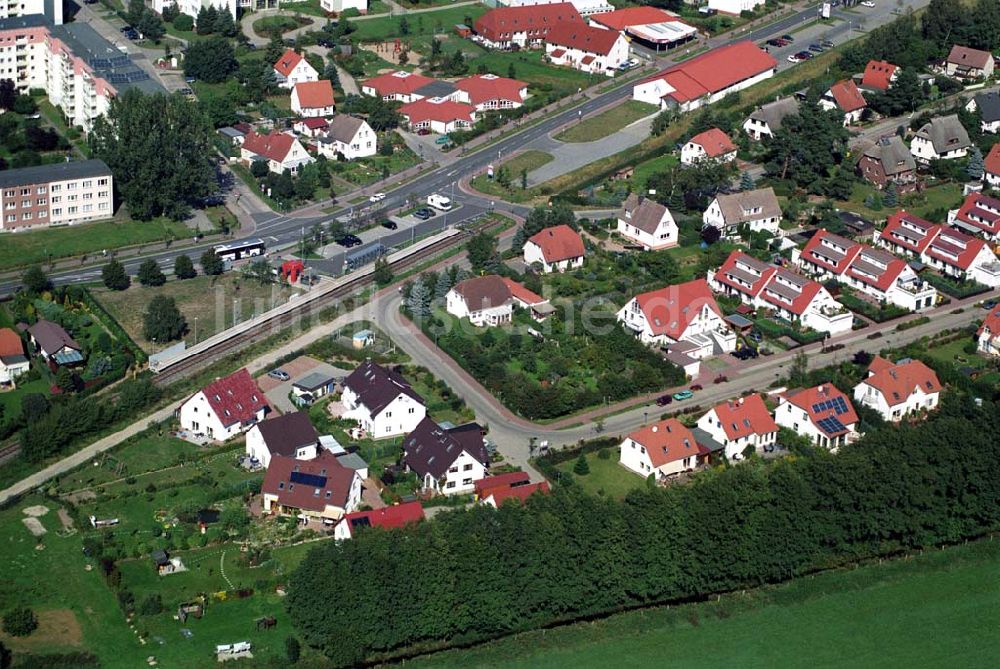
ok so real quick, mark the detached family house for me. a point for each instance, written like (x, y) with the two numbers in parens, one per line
(684, 318)
(889, 161)
(943, 138)
(966, 63)
(390, 517)
(54, 344)
(988, 334)
(349, 137)
(556, 249)
(382, 401)
(591, 50)
(898, 390)
(758, 210)
(320, 488)
(313, 99)
(279, 150)
(440, 115)
(845, 97)
(879, 75)
(663, 449)
(740, 424)
(13, 361)
(495, 490)
(448, 461)
(647, 223)
(991, 167)
(767, 119)
(292, 68)
(291, 435)
(490, 300)
(713, 144)
(488, 92)
(225, 408)
(822, 414)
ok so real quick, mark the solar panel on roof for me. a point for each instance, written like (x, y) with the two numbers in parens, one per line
(360, 522)
(839, 405)
(831, 425)
(308, 479)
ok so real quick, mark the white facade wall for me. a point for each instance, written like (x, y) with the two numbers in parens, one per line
(296, 158)
(396, 419)
(664, 237)
(692, 153)
(734, 6)
(872, 398)
(197, 416)
(338, 6)
(713, 216)
(533, 254)
(256, 447)
(795, 419)
(706, 322)
(735, 447)
(456, 306)
(757, 129)
(653, 92)
(923, 150)
(9, 373)
(635, 458)
(300, 74)
(460, 478)
(330, 511)
(309, 112)
(984, 268)
(77, 200)
(601, 63)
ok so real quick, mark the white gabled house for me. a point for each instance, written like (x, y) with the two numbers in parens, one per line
(988, 334)
(292, 68)
(897, 390)
(663, 449)
(224, 408)
(943, 138)
(291, 435)
(647, 223)
(490, 300)
(758, 209)
(821, 414)
(279, 150)
(381, 401)
(320, 488)
(556, 249)
(312, 99)
(349, 137)
(587, 49)
(713, 144)
(740, 424)
(447, 461)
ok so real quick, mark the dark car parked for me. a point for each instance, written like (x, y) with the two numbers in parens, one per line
(664, 400)
(349, 240)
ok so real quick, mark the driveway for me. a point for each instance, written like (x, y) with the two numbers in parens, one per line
(277, 391)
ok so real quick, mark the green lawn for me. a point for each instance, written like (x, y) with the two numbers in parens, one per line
(939, 609)
(606, 123)
(38, 246)
(265, 26)
(526, 161)
(529, 66)
(646, 169)
(139, 455)
(365, 171)
(606, 477)
(425, 23)
(931, 202)
(11, 400)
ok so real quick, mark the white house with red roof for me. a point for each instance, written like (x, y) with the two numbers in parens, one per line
(647, 223)
(684, 317)
(389, 517)
(879, 75)
(988, 334)
(741, 424)
(991, 165)
(311, 127)
(489, 301)
(896, 390)
(556, 249)
(591, 50)
(440, 115)
(845, 97)
(905, 234)
(861, 267)
(292, 68)
(713, 144)
(313, 99)
(507, 27)
(789, 295)
(707, 78)
(663, 449)
(822, 414)
(224, 408)
(488, 92)
(402, 86)
(281, 151)
(978, 215)
(495, 494)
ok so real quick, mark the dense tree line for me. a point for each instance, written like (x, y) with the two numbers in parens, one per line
(480, 573)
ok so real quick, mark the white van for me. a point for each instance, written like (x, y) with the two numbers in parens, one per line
(439, 202)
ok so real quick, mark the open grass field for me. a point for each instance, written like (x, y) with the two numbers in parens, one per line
(282, 24)
(209, 299)
(648, 168)
(529, 67)
(606, 123)
(931, 202)
(939, 609)
(39, 246)
(527, 161)
(426, 23)
(606, 477)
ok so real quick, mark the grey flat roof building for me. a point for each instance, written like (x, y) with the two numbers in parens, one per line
(77, 169)
(104, 57)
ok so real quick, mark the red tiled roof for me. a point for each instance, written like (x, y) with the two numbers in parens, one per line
(559, 242)
(790, 291)
(847, 96)
(501, 23)
(315, 94)
(519, 292)
(397, 83)
(398, 515)
(621, 19)
(667, 441)
(10, 343)
(670, 310)
(882, 282)
(287, 62)
(963, 55)
(235, 398)
(322, 482)
(484, 486)
(992, 162)
(442, 111)
(588, 59)
(486, 87)
(558, 53)
(991, 324)
(896, 382)
(830, 252)
(813, 402)
(982, 212)
(716, 70)
(314, 123)
(746, 268)
(744, 417)
(520, 493)
(274, 146)
(715, 142)
(955, 248)
(902, 225)
(583, 38)
(878, 74)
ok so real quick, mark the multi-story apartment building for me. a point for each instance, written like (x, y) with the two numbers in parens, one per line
(51, 9)
(79, 70)
(58, 194)
(192, 7)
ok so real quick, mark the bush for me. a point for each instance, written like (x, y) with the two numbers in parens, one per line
(151, 605)
(184, 23)
(20, 621)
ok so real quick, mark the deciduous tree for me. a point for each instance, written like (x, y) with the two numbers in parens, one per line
(163, 321)
(184, 267)
(150, 274)
(114, 276)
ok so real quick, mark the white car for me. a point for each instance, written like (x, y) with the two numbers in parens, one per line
(377, 197)
(793, 58)
(868, 3)
(439, 202)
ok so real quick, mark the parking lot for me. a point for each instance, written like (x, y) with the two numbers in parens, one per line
(277, 391)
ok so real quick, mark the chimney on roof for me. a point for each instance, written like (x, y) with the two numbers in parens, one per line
(655, 428)
(821, 389)
(740, 401)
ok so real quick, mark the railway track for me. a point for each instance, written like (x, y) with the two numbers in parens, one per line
(270, 325)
